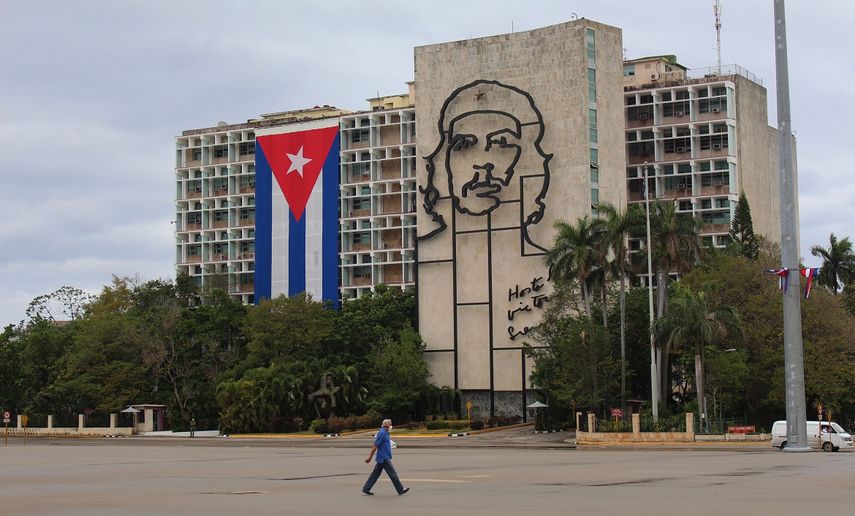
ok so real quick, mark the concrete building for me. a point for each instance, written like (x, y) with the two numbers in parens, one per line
(378, 196)
(702, 137)
(518, 131)
(215, 222)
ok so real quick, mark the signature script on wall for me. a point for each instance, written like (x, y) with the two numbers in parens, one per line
(490, 150)
(525, 299)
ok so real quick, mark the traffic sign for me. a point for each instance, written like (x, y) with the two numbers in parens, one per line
(616, 412)
(7, 416)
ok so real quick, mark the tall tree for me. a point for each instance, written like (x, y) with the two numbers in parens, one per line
(838, 263)
(616, 227)
(573, 255)
(676, 247)
(743, 240)
(694, 323)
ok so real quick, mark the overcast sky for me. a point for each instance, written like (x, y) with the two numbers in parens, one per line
(92, 94)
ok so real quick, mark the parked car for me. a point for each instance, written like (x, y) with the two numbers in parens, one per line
(833, 436)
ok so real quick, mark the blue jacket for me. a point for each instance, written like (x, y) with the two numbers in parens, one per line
(384, 445)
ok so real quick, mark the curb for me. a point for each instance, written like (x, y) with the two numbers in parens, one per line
(461, 434)
(547, 431)
(332, 435)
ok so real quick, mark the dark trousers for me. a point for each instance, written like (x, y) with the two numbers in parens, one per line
(378, 469)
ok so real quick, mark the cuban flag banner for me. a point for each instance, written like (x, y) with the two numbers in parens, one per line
(783, 278)
(297, 197)
(810, 273)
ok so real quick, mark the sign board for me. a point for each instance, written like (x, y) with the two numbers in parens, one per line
(6, 416)
(468, 405)
(616, 412)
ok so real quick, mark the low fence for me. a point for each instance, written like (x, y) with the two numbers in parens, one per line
(88, 425)
(679, 433)
(680, 428)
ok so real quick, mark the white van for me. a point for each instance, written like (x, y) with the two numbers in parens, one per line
(834, 436)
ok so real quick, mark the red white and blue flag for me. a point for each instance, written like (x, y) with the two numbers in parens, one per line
(783, 278)
(297, 201)
(810, 273)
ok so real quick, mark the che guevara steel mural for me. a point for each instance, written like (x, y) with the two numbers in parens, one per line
(486, 184)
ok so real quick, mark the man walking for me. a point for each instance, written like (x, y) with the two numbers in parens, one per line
(383, 447)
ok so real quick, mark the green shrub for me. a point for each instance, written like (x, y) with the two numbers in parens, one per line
(335, 425)
(440, 424)
(478, 424)
(319, 426)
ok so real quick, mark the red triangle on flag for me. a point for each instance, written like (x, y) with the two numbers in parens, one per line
(296, 160)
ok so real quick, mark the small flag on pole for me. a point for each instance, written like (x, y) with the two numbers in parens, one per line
(783, 278)
(810, 273)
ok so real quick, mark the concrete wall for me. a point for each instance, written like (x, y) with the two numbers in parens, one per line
(757, 158)
(480, 256)
(69, 432)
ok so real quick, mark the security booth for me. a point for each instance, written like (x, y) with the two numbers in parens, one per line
(146, 417)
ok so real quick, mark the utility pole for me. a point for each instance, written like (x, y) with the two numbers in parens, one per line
(654, 370)
(793, 349)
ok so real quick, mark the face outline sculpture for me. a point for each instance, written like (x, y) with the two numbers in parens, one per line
(486, 152)
(483, 150)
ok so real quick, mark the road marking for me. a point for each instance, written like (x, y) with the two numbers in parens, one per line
(436, 480)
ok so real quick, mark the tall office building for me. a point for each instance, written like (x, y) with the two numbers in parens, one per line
(701, 137)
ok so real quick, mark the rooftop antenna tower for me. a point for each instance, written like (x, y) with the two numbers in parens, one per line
(717, 12)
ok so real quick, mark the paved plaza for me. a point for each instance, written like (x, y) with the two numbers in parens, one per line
(516, 474)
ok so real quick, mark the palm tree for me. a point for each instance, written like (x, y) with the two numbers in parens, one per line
(675, 247)
(572, 255)
(838, 263)
(693, 323)
(616, 227)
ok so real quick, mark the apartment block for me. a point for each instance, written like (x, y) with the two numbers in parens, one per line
(700, 138)
(216, 196)
(378, 196)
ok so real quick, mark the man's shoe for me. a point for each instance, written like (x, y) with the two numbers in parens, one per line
(369, 493)
(405, 491)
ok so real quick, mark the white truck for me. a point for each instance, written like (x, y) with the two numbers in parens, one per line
(832, 438)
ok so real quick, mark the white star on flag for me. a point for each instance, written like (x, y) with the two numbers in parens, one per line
(297, 162)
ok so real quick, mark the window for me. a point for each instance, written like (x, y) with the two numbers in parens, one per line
(629, 71)
(592, 125)
(247, 148)
(197, 154)
(221, 152)
(363, 135)
(684, 168)
(592, 85)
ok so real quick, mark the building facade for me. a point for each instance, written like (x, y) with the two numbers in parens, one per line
(518, 131)
(701, 138)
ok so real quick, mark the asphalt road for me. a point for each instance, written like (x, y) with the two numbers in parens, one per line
(533, 476)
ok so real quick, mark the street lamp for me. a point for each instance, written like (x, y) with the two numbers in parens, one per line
(654, 372)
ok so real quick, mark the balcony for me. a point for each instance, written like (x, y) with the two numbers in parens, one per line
(246, 222)
(220, 257)
(217, 224)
